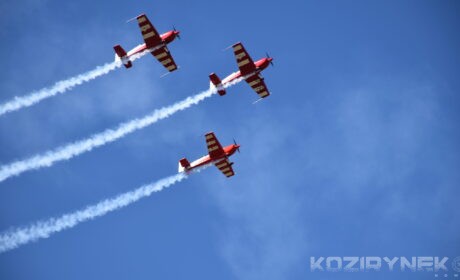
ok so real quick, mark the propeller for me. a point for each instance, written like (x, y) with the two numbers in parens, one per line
(268, 56)
(177, 35)
(238, 149)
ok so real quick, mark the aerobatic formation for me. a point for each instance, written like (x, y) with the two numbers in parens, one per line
(156, 44)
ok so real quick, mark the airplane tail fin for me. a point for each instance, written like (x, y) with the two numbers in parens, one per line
(183, 165)
(122, 55)
(216, 83)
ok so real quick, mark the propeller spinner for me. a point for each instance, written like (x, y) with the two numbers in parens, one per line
(268, 56)
(177, 34)
(234, 141)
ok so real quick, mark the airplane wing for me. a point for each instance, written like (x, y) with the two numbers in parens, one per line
(225, 167)
(149, 33)
(214, 147)
(245, 63)
(215, 150)
(258, 85)
(164, 57)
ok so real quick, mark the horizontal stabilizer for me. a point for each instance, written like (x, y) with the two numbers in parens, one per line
(122, 55)
(183, 165)
(217, 83)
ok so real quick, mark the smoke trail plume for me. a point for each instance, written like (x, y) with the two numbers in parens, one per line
(74, 149)
(43, 229)
(61, 86)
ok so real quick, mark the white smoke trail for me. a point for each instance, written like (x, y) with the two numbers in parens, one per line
(74, 149)
(61, 86)
(43, 229)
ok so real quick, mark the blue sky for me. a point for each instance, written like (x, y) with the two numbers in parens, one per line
(355, 153)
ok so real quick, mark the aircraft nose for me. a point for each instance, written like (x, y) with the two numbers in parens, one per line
(176, 33)
(270, 61)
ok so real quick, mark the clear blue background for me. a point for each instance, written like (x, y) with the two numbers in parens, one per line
(355, 153)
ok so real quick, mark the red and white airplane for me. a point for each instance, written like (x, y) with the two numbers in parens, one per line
(217, 155)
(248, 70)
(154, 42)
